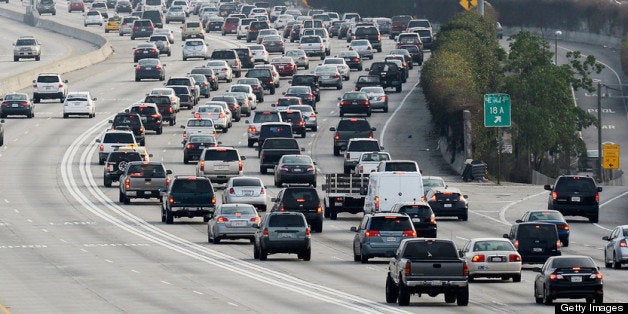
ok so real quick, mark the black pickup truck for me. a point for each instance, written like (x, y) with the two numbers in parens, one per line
(429, 266)
(272, 150)
(348, 129)
(389, 74)
(367, 81)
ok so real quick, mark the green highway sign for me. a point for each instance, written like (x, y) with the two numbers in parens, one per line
(496, 110)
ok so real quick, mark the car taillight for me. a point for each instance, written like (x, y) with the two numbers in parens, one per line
(185, 134)
(622, 243)
(138, 67)
(596, 275)
(336, 137)
(309, 96)
(363, 103)
(407, 269)
(171, 200)
(368, 48)
(356, 60)
(555, 277)
(201, 165)
(153, 50)
(344, 102)
(336, 76)
(141, 130)
(516, 244)
(558, 245)
(225, 69)
(240, 165)
(214, 200)
(151, 27)
(255, 219)
(514, 258)
(265, 232)
(433, 198)
(108, 167)
(371, 233)
(189, 146)
(101, 147)
(356, 89)
(127, 183)
(158, 67)
(135, 28)
(465, 269)
(409, 233)
(478, 258)
(137, 51)
(432, 219)
(376, 203)
(171, 110)
(202, 85)
(597, 197)
(563, 227)
(302, 123)
(221, 115)
(156, 116)
(554, 195)
(222, 219)
(371, 135)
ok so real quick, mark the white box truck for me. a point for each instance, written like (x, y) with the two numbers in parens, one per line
(386, 189)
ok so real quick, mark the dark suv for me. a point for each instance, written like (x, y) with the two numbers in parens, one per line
(372, 34)
(142, 28)
(348, 129)
(307, 80)
(295, 118)
(133, 122)
(155, 16)
(254, 28)
(422, 217)
(535, 241)
(265, 77)
(246, 57)
(166, 108)
(116, 162)
(188, 197)
(390, 75)
(282, 232)
(575, 196)
(151, 118)
(303, 200)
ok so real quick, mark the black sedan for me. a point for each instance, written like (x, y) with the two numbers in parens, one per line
(352, 58)
(303, 92)
(448, 202)
(143, 51)
(150, 69)
(354, 102)
(295, 169)
(571, 277)
(194, 146)
(18, 104)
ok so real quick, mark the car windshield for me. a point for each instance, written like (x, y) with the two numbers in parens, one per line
(492, 245)
(569, 262)
(200, 123)
(194, 43)
(363, 146)
(546, 216)
(286, 221)
(26, 42)
(425, 250)
(246, 182)
(192, 186)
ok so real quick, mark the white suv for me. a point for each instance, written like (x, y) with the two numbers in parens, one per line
(49, 86)
(313, 46)
(219, 164)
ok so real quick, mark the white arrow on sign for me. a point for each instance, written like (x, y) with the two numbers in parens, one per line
(498, 119)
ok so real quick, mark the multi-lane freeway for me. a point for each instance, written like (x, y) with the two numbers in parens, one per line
(68, 245)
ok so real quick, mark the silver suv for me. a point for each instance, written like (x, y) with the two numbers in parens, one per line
(26, 47)
(231, 56)
(49, 86)
(219, 164)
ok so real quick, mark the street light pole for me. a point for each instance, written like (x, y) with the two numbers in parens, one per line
(556, 34)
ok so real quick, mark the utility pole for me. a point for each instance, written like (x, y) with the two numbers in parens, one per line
(481, 7)
(599, 132)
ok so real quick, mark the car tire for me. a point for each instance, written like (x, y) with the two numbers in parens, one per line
(462, 297)
(163, 214)
(255, 252)
(278, 184)
(272, 91)
(599, 299)
(464, 217)
(450, 297)
(306, 255)
(263, 255)
(547, 299)
(185, 160)
(341, 114)
(516, 278)
(594, 218)
(398, 89)
(303, 134)
(171, 122)
(368, 114)
(333, 214)
(339, 87)
(391, 290)
(336, 151)
(107, 182)
(137, 79)
(363, 258)
(215, 239)
(169, 217)
(250, 143)
(606, 263)
(616, 264)
(403, 298)
(385, 108)
(263, 170)
(346, 170)
(318, 226)
(37, 58)
(537, 299)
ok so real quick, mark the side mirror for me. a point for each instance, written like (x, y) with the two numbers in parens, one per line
(246, 121)
(518, 221)
(381, 147)
(290, 81)
(506, 236)
(302, 149)
(333, 129)
(110, 121)
(466, 196)
(324, 187)
(354, 229)
(283, 93)
(547, 187)
(606, 238)
(255, 225)
(243, 157)
(94, 99)
(363, 191)
(65, 81)
(599, 189)
(150, 155)
(168, 171)
(183, 142)
(339, 98)
(314, 162)
(210, 215)
(274, 199)
(183, 126)
(273, 105)
(460, 253)
(316, 112)
(34, 81)
(97, 140)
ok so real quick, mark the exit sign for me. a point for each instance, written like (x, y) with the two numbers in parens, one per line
(496, 110)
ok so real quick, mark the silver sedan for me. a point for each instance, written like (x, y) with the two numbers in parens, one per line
(232, 221)
(616, 250)
(492, 258)
(300, 58)
(246, 190)
(377, 97)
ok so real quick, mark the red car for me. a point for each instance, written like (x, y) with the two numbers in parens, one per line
(76, 5)
(285, 66)
(230, 26)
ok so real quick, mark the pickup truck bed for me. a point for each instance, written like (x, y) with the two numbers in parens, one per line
(342, 194)
(272, 150)
(430, 266)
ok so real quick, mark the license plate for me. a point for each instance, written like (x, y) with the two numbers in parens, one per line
(286, 235)
(416, 219)
(575, 198)
(49, 88)
(537, 249)
(221, 167)
(576, 279)
(239, 223)
(436, 283)
(337, 203)
(247, 192)
(391, 239)
(297, 170)
(14, 105)
(447, 205)
(496, 259)
(148, 68)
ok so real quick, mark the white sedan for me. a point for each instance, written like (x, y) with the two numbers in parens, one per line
(222, 69)
(246, 190)
(215, 113)
(492, 258)
(79, 103)
(259, 53)
(342, 66)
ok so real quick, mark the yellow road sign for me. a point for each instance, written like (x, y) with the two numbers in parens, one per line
(610, 156)
(469, 4)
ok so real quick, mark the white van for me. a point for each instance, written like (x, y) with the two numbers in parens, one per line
(386, 189)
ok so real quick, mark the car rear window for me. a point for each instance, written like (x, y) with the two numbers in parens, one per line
(310, 40)
(179, 81)
(546, 216)
(488, 245)
(363, 146)
(200, 123)
(291, 116)
(202, 139)
(130, 120)
(127, 156)
(276, 131)
(366, 31)
(416, 211)
(295, 196)
(48, 79)
(246, 182)
(281, 144)
(436, 250)
(286, 221)
(159, 100)
(564, 262)
(237, 210)
(266, 117)
(537, 231)
(259, 73)
(354, 125)
(391, 223)
(147, 170)
(400, 166)
(192, 186)
(232, 20)
(575, 184)
(118, 138)
(193, 24)
(221, 155)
